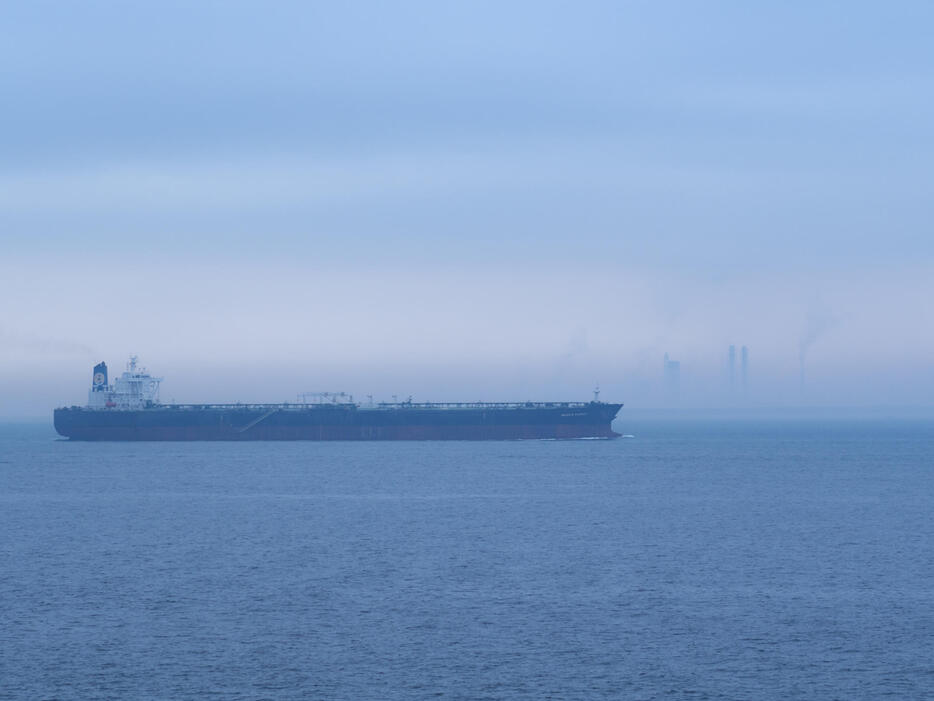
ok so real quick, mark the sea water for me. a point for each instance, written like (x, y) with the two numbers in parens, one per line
(698, 559)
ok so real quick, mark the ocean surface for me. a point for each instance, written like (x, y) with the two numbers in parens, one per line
(700, 559)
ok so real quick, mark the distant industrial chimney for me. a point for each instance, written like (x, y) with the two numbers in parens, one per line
(732, 367)
(672, 370)
(801, 373)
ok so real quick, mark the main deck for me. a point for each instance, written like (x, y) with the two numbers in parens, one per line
(342, 421)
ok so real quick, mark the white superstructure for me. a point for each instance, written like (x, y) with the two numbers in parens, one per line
(134, 389)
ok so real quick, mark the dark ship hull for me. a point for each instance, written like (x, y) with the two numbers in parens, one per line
(348, 422)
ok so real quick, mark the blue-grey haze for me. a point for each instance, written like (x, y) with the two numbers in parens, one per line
(519, 199)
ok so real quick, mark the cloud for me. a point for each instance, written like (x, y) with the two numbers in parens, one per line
(818, 321)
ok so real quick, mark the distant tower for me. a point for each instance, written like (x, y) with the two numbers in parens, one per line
(672, 369)
(744, 367)
(732, 367)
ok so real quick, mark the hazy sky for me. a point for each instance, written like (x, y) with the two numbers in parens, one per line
(468, 200)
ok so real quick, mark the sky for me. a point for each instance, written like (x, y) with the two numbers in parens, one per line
(463, 201)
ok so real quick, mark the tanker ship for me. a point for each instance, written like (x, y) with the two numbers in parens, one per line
(130, 410)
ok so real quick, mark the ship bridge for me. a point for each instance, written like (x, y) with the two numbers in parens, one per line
(134, 389)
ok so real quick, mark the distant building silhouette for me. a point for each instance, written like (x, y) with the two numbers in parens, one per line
(732, 367)
(672, 372)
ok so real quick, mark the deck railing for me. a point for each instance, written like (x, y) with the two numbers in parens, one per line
(292, 406)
